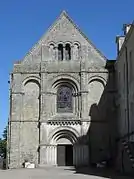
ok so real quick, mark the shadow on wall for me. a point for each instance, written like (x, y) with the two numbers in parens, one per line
(102, 133)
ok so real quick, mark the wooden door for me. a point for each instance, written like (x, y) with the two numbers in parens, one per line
(61, 155)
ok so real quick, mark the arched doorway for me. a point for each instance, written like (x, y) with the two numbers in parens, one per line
(64, 140)
(64, 152)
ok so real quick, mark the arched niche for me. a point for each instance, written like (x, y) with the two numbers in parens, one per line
(76, 49)
(52, 51)
(31, 100)
(95, 89)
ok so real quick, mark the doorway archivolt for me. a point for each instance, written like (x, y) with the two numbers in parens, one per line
(63, 136)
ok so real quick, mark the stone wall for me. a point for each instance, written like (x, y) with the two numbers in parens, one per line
(34, 84)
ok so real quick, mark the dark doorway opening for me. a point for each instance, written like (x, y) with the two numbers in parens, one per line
(64, 155)
(69, 155)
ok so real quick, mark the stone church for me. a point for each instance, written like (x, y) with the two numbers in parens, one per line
(62, 101)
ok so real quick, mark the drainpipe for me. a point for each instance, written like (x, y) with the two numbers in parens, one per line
(127, 90)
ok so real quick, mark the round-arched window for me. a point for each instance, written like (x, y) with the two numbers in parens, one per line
(60, 52)
(67, 52)
(64, 99)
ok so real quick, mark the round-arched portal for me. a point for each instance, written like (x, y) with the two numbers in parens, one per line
(64, 134)
(63, 148)
(64, 140)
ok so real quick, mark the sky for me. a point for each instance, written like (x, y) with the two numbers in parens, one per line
(23, 22)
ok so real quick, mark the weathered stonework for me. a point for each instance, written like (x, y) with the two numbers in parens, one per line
(125, 100)
(36, 128)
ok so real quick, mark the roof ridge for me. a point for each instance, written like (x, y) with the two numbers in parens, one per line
(41, 38)
(80, 31)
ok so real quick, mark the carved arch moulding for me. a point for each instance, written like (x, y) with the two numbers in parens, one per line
(60, 130)
(28, 79)
(64, 78)
(99, 79)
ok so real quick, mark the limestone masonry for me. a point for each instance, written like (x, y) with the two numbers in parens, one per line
(62, 98)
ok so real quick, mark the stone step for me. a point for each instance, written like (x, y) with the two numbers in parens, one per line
(129, 147)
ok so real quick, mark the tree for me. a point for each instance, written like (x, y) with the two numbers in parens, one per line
(5, 134)
(3, 144)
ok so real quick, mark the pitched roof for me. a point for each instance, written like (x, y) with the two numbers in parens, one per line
(64, 14)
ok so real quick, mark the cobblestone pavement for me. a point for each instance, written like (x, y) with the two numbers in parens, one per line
(56, 173)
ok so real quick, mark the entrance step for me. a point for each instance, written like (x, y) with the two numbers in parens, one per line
(59, 168)
(46, 166)
(129, 148)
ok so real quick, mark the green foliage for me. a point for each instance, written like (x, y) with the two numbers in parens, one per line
(3, 144)
(5, 134)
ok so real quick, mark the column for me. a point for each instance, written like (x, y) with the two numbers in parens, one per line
(51, 155)
(71, 52)
(77, 155)
(55, 154)
(85, 155)
(84, 91)
(74, 157)
(56, 53)
(64, 53)
(49, 149)
(80, 155)
(47, 155)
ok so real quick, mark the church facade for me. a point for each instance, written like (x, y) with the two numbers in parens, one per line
(62, 101)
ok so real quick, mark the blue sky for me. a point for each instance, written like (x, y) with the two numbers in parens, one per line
(23, 22)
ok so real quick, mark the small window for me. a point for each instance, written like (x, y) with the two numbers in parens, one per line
(60, 52)
(64, 99)
(67, 52)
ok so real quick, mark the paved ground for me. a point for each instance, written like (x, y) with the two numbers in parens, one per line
(57, 173)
